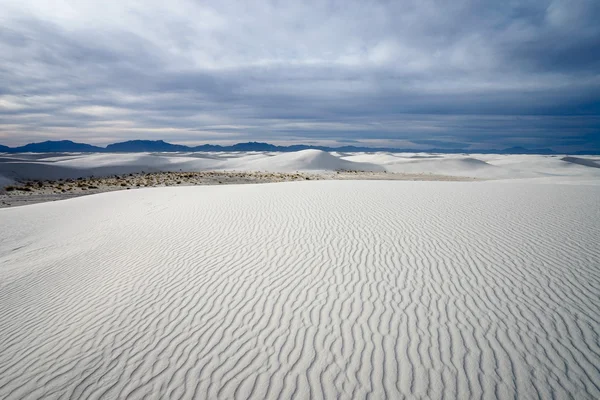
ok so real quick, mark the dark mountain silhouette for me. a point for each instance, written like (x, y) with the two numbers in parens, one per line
(256, 146)
(62, 146)
(209, 147)
(134, 146)
(522, 150)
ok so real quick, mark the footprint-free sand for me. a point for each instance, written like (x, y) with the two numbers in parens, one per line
(312, 289)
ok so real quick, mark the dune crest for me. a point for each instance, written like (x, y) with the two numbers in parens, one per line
(307, 160)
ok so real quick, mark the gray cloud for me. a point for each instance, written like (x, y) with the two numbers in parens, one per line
(471, 73)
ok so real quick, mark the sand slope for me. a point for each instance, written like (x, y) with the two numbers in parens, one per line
(308, 160)
(16, 167)
(304, 290)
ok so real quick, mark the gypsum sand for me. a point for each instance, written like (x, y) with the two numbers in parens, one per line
(41, 191)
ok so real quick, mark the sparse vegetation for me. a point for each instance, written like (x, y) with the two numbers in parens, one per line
(82, 185)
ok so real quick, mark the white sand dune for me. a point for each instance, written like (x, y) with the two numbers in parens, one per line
(328, 289)
(486, 166)
(23, 167)
(307, 160)
(85, 165)
(588, 162)
(52, 166)
(451, 165)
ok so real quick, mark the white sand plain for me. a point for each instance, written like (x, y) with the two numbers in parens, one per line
(313, 289)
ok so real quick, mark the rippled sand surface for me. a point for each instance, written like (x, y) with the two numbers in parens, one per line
(317, 289)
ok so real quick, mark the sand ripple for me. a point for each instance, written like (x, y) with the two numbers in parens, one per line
(304, 290)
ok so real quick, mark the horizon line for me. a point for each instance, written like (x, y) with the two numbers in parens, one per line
(86, 147)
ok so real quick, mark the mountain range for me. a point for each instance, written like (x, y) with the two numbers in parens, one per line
(135, 146)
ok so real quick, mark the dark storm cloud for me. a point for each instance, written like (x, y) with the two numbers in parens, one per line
(472, 73)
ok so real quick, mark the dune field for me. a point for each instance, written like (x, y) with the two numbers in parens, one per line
(35, 178)
(310, 289)
(14, 167)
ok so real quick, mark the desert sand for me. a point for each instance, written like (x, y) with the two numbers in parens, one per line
(309, 289)
(35, 178)
(16, 167)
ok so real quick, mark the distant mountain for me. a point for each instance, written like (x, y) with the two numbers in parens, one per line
(136, 146)
(248, 146)
(133, 146)
(208, 147)
(62, 146)
(255, 146)
(522, 150)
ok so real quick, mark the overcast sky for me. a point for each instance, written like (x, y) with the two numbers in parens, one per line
(416, 73)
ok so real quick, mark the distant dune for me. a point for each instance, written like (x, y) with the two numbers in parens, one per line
(588, 162)
(15, 167)
(325, 289)
(307, 160)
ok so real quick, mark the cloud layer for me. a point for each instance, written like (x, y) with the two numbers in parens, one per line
(419, 73)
